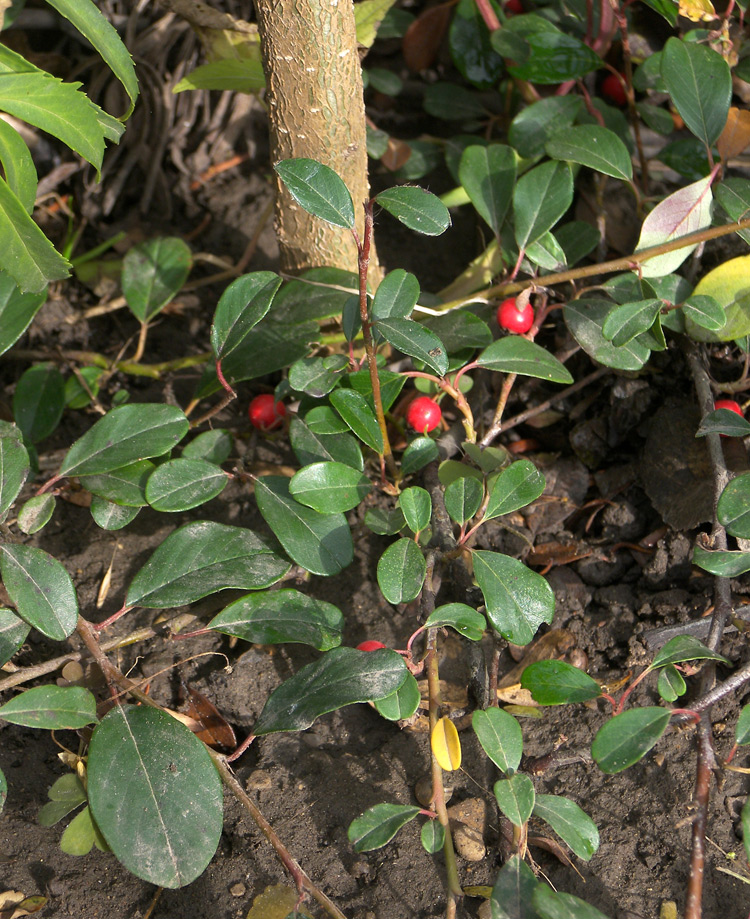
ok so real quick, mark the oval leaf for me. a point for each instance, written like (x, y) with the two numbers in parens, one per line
(318, 189)
(432, 836)
(415, 340)
(627, 737)
(125, 486)
(516, 486)
(240, 308)
(329, 487)
(402, 703)
(465, 620)
(401, 571)
(416, 506)
(727, 564)
(181, 484)
(378, 825)
(733, 511)
(153, 274)
(557, 682)
(14, 466)
(489, 175)
(359, 416)
(13, 632)
(41, 590)
(446, 747)
(515, 798)
(36, 513)
(416, 208)
(685, 648)
(699, 83)
(572, 825)
(540, 198)
(54, 708)
(585, 319)
(396, 295)
(38, 401)
(513, 354)
(500, 736)
(727, 285)
(593, 146)
(513, 890)
(463, 498)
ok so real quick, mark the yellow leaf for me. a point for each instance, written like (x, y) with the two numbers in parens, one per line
(276, 902)
(368, 15)
(697, 10)
(736, 134)
(729, 285)
(446, 746)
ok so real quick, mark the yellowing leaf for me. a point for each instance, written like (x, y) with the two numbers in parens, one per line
(446, 746)
(729, 285)
(276, 902)
(368, 15)
(697, 10)
(736, 134)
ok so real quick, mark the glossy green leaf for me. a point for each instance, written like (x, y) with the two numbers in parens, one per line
(153, 273)
(726, 564)
(432, 836)
(401, 704)
(585, 319)
(592, 146)
(459, 330)
(181, 484)
(378, 825)
(627, 321)
(540, 198)
(699, 83)
(553, 682)
(555, 57)
(471, 47)
(110, 516)
(17, 309)
(416, 506)
(705, 312)
(239, 75)
(323, 420)
(416, 208)
(317, 376)
(38, 401)
(277, 616)
(515, 797)
(125, 486)
(329, 488)
(240, 308)
(500, 736)
(450, 470)
(384, 522)
(420, 452)
(212, 446)
(489, 174)
(124, 435)
(572, 825)
(396, 295)
(13, 632)
(14, 466)
(514, 354)
(518, 600)
(627, 737)
(391, 385)
(401, 571)
(318, 189)
(683, 648)
(670, 684)
(462, 499)
(745, 819)
(341, 677)
(551, 904)
(742, 730)
(40, 588)
(53, 708)
(546, 252)
(317, 293)
(733, 194)
(452, 102)
(320, 543)
(35, 513)
(202, 558)
(18, 166)
(535, 124)
(464, 619)
(733, 511)
(155, 795)
(489, 459)
(359, 416)
(415, 340)
(513, 891)
(516, 486)
(82, 387)
(311, 447)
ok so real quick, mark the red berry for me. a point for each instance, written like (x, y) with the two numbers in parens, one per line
(613, 90)
(513, 7)
(423, 415)
(729, 404)
(515, 318)
(265, 412)
(370, 645)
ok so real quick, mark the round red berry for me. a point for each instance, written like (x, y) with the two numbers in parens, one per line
(423, 415)
(513, 7)
(729, 404)
(515, 318)
(613, 89)
(370, 645)
(265, 412)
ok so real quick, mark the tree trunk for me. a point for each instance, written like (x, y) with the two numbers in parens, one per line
(316, 109)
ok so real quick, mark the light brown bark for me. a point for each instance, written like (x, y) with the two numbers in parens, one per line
(316, 110)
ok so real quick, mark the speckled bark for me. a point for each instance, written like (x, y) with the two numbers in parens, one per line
(316, 109)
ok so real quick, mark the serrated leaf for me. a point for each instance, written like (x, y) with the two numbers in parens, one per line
(318, 189)
(40, 588)
(516, 486)
(416, 208)
(514, 354)
(14, 466)
(202, 558)
(317, 376)
(535, 124)
(378, 825)
(415, 340)
(627, 737)
(18, 166)
(572, 825)
(500, 736)
(683, 648)
(462, 499)
(53, 708)
(489, 174)
(518, 600)
(445, 744)
(515, 798)
(155, 795)
(341, 677)
(153, 273)
(726, 564)
(401, 571)
(416, 506)
(593, 146)
(553, 682)
(513, 891)
(181, 484)
(699, 83)
(13, 632)
(330, 487)
(359, 416)
(585, 319)
(540, 198)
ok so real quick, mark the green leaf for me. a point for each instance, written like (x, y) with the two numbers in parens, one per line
(318, 189)
(489, 459)
(181, 484)
(396, 296)
(38, 401)
(368, 14)
(726, 564)
(451, 470)
(550, 904)
(82, 387)
(555, 57)
(317, 293)
(212, 446)
(745, 818)
(727, 285)
(415, 340)
(17, 309)
(557, 682)
(13, 632)
(705, 312)
(627, 737)
(742, 731)
(465, 620)
(384, 522)
(36, 513)
(733, 510)
(513, 891)
(572, 825)
(514, 354)
(18, 166)
(320, 543)
(125, 435)
(462, 499)
(699, 83)
(329, 487)
(240, 75)
(471, 46)
(683, 648)
(585, 319)
(488, 174)
(500, 736)
(452, 102)
(416, 208)
(432, 836)
(515, 797)
(341, 677)
(202, 558)
(277, 616)
(459, 330)
(311, 447)
(534, 125)
(733, 194)
(670, 684)
(153, 273)
(155, 795)
(420, 452)
(111, 516)
(518, 600)
(400, 704)
(14, 466)
(593, 146)
(125, 486)
(54, 708)
(323, 420)
(540, 198)
(359, 416)
(401, 571)
(240, 308)
(546, 252)
(516, 486)
(627, 321)
(40, 588)
(81, 834)
(416, 506)
(378, 825)
(391, 385)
